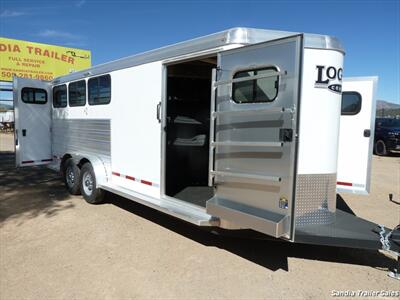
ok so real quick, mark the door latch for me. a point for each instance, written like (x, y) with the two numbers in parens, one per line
(23, 132)
(367, 133)
(286, 134)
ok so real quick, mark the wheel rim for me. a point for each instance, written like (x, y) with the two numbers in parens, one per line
(380, 147)
(88, 183)
(70, 176)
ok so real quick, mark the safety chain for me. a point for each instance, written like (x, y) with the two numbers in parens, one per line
(384, 238)
(386, 246)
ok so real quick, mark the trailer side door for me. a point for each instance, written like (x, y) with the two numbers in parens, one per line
(32, 104)
(356, 138)
(253, 136)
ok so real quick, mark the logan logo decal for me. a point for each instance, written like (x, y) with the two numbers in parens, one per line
(327, 75)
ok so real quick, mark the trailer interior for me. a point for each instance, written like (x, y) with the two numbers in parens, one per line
(187, 130)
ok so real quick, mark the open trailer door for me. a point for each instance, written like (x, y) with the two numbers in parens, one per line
(32, 104)
(252, 138)
(356, 138)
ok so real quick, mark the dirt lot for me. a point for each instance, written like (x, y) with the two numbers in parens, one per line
(56, 246)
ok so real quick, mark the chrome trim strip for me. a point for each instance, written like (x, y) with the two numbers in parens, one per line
(246, 176)
(248, 78)
(248, 144)
(212, 126)
(272, 110)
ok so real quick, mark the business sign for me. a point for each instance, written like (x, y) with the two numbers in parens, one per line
(39, 61)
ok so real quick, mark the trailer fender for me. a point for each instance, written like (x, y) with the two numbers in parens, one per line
(98, 164)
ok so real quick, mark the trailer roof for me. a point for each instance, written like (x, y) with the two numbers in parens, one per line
(238, 35)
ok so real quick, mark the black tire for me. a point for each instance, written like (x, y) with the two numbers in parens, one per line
(72, 176)
(380, 148)
(89, 191)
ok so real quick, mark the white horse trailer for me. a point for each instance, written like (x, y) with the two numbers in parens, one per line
(242, 129)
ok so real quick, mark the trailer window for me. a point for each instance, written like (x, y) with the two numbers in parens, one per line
(351, 103)
(99, 90)
(77, 93)
(60, 96)
(256, 90)
(34, 96)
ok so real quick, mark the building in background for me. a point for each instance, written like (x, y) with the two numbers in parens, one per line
(6, 116)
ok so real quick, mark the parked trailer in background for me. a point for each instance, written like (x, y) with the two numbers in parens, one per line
(242, 129)
(7, 116)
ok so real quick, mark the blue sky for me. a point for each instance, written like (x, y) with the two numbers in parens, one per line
(369, 30)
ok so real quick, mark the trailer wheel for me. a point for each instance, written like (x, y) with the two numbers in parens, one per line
(380, 148)
(72, 175)
(89, 191)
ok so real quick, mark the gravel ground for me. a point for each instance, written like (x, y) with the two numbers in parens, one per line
(56, 246)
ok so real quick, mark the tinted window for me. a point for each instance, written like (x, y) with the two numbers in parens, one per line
(256, 90)
(34, 96)
(392, 123)
(60, 96)
(99, 90)
(351, 103)
(77, 93)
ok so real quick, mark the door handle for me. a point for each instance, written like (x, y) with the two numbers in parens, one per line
(367, 133)
(23, 132)
(159, 112)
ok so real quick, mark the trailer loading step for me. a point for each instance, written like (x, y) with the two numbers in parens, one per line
(174, 207)
(260, 220)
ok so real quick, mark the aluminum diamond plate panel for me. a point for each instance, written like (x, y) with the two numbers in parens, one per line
(315, 199)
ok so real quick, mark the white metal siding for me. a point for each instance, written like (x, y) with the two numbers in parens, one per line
(135, 131)
(319, 116)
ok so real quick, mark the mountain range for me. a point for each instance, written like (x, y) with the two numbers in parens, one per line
(381, 104)
(5, 106)
(387, 109)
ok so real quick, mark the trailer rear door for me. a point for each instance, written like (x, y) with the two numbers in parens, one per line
(32, 104)
(356, 138)
(253, 136)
